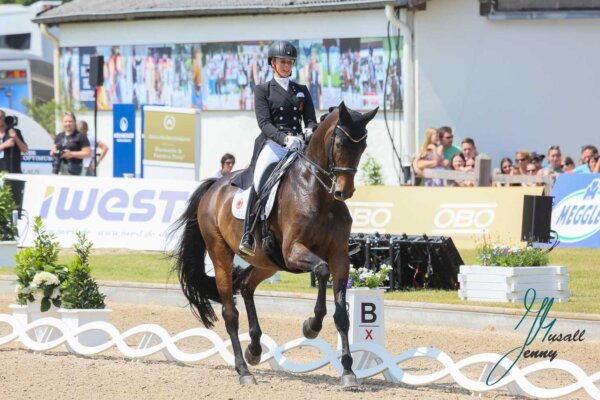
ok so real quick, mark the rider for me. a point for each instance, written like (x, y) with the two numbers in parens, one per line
(280, 105)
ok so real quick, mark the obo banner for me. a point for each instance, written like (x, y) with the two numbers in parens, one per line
(113, 212)
(576, 211)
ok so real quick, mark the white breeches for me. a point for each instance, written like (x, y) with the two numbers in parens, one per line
(271, 153)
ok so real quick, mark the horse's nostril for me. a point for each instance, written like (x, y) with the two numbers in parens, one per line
(338, 194)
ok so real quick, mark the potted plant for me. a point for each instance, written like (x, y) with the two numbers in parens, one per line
(82, 301)
(39, 280)
(8, 229)
(505, 273)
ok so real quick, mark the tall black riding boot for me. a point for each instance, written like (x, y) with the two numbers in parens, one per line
(247, 244)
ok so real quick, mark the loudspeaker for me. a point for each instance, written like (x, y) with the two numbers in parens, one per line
(17, 188)
(537, 215)
(96, 71)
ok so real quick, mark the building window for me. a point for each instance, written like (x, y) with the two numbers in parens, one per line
(19, 41)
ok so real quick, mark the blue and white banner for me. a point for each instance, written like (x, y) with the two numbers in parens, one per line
(124, 140)
(576, 211)
(113, 212)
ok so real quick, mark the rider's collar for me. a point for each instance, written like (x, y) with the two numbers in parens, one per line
(283, 82)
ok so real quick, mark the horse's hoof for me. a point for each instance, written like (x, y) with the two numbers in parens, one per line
(349, 381)
(247, 380)
(251, 358)
(308, 332)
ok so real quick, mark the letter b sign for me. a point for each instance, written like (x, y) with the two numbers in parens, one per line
(367, 313)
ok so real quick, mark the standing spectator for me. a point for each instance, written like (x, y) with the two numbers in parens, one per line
(468, 149)
(458, 163)
(429, 157)
(12, 145)
(70, 148)
(522, 159)
(567, 164)
(586, 153)
(446, 139)
(594, 164)
(506, 166)
(227, 163)
(89, 168)
(554, 160)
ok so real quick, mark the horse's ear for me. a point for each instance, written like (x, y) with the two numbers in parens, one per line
(344, 114)
(370, 115)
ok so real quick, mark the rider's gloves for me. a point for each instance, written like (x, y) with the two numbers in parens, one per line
(294, 143)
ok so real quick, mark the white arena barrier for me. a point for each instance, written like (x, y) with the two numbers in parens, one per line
(156, 339)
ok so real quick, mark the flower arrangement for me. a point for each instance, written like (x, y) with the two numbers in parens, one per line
(363, 277)
(39, 276)
(508, 256)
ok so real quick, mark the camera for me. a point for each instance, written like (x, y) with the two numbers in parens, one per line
(57, 161)
(11, 121)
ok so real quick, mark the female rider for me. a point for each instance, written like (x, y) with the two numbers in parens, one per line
(280, 105)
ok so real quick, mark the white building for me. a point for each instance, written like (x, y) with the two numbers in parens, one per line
(518, 76)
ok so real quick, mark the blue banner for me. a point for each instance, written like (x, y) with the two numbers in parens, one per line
(124, 140)
(576, 211)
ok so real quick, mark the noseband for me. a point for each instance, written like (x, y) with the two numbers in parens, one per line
(333, 170)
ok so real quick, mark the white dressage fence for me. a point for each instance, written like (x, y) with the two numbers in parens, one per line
(156, 339)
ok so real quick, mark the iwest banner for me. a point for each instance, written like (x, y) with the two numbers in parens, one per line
(464, 214)
(576, 211)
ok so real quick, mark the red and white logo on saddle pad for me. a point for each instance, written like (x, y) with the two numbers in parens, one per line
(240, 203)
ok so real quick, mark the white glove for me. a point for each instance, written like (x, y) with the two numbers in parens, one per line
(294, 143)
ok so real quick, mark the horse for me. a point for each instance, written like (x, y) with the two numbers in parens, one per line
(310, 222)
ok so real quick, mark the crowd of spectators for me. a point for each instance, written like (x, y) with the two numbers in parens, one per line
(439, 152)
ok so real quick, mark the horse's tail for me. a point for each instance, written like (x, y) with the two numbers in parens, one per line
(197, 287)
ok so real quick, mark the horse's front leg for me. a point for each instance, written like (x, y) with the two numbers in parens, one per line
(339, 271)
(305, 260)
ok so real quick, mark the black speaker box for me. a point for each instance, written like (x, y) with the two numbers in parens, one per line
(17, 188)
(96, 71)
(537, 216)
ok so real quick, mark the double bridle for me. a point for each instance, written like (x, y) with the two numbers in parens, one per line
(333, 170)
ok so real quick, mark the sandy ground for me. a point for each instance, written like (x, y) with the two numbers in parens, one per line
(57, 374)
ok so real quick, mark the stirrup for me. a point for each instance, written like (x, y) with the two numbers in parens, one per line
(247, 244)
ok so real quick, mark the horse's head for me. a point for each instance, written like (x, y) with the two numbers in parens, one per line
(345, 146)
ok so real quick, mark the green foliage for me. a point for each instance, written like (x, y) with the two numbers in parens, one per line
(371, 172)
(45, 113)
(80, 290)
(507, 256)
(39, 275)
(8, 230)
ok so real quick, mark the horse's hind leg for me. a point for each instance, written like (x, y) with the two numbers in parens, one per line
(223, 259)
(253, 277)
(303, 259)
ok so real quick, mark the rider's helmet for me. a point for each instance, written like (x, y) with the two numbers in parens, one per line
(282, 49)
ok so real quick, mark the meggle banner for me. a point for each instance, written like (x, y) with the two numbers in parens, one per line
(113, 212)
(576, 211)
(464, 214)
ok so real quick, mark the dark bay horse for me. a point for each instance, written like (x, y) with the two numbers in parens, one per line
(310, 221)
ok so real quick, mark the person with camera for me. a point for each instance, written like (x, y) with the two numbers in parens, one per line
(12, 144)
(70, 148)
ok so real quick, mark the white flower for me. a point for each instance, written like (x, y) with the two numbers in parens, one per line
(18, 288)
(45, 278)
(55, 293)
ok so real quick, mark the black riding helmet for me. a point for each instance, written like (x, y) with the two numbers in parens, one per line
(282, 49)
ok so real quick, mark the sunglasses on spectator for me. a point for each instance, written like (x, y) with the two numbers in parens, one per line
(449, 137)
(531, 171)
(229, 162)
(520, 159)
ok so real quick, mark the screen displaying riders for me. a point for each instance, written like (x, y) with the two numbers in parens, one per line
(282, 107)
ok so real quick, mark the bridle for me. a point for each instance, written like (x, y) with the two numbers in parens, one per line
(333, 169)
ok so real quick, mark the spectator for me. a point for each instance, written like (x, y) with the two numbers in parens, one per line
(12, 145)
(446, 139)
(430, 157)
(532, 170)
(227, 163)
(70, 148)
(586, 153)
(567, 164)
(522, 159)
(89, 168)
(538, 160)
(593, 164)
(554, 160)
(506, 166)
(468, 149)
(458, 163)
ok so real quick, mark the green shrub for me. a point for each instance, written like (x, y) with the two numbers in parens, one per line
(8, 230)
(507, 256)
(371, 172)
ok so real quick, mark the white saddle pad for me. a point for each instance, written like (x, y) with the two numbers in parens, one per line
(240, 203)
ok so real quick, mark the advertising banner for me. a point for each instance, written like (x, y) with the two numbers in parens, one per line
(171, 146)
(124, 140)
(576, 211)
(465, 215)
(113, 212)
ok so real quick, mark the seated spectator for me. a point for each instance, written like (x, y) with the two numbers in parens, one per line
(227, 163)
(429, 157)
(567, 165)
(458, 163)
(586, 153)
(468, 149)
(446, 139)
(522, 159)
